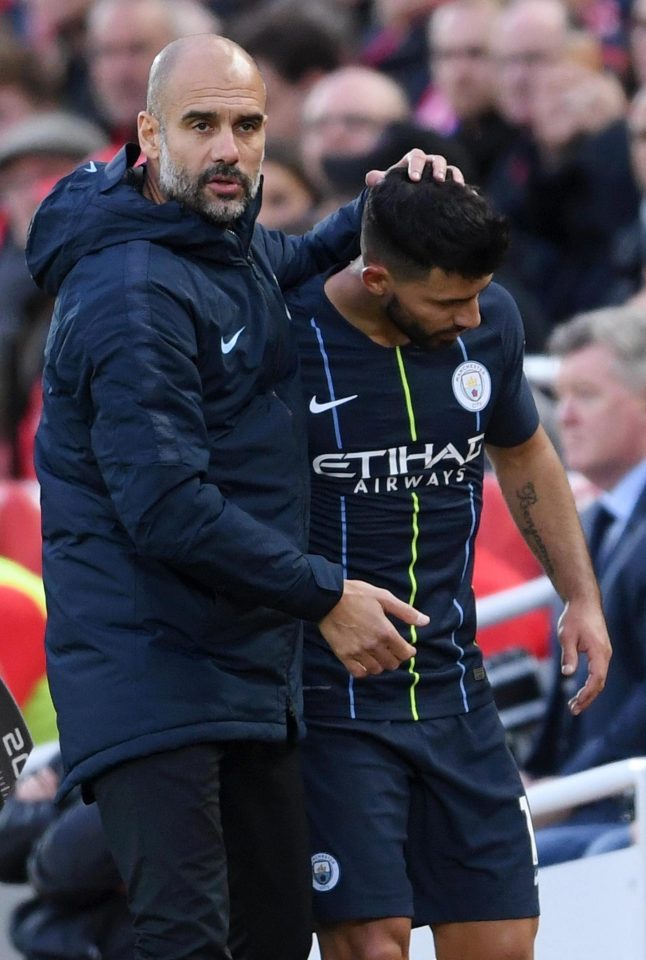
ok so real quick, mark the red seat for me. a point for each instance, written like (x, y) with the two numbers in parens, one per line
(499, 533)
(530, 631)
(504, 560)
(20, 534)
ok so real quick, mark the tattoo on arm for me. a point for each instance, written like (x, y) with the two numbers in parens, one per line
(528, 498)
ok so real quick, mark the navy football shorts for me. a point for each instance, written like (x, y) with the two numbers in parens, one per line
(423, 819)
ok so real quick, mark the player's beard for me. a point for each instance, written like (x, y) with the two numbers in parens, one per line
(177, 184)
(416, 333)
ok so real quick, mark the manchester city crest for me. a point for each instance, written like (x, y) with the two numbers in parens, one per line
(325, 872)
(472, 385)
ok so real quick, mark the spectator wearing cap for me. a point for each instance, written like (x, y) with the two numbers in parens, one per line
(25, 87)
(33, 154)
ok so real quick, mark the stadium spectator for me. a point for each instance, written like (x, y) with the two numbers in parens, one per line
(289, 200)
(344, 114)
(356, 116)
(295, 45)
(637, 41)
(566, 183)
(396, 43)
(55, 32)
(629, 244)
(77, 909)
(25, 86)
(528, 35)
(464, 76)
(123, 37)
(601, 391)
(25, 89)
(33, 154)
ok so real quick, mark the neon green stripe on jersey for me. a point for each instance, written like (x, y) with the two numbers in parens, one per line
(415, 534)
(413, 593)
(406, 388)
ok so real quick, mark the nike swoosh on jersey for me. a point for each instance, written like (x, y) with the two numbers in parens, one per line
(91, 167)
(228, 345)
(316, 407)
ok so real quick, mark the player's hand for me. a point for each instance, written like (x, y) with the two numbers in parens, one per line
(582, 630)
(415, 161)
(360, 634)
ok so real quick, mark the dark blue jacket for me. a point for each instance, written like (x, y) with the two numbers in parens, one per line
(171, 457)
(614, 726)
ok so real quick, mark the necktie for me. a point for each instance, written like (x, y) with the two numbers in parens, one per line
(598, 542)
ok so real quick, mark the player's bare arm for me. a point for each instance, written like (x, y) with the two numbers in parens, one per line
(538, 494)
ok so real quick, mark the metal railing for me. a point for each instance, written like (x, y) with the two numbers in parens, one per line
(515, 601)
(595, 908)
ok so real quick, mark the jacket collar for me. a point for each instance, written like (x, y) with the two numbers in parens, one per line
(127, 157)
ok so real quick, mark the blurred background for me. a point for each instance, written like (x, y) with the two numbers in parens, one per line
(541, 103)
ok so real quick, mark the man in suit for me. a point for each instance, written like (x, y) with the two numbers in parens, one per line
(601, 391)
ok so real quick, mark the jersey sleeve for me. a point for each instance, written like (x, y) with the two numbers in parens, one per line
(514, 417)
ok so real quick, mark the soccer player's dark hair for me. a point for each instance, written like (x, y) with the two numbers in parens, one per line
(411, 227)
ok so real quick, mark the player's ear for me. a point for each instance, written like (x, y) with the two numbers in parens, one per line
(376, 279)
(148, 130)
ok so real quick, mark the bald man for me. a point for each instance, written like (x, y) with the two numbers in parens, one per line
(344, 114)
(529, 35)
(171, 458)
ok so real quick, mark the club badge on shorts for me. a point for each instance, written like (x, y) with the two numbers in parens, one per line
(325, 872)
(471, 385)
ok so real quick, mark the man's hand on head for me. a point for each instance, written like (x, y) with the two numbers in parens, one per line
(415, 161)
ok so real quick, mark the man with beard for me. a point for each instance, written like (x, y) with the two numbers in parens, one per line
(412, 363)
(171, 457)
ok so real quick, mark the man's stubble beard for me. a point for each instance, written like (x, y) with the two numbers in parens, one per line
(410, 328)
(177, 184)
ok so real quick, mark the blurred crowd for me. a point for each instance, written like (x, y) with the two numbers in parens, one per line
(541, 103)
